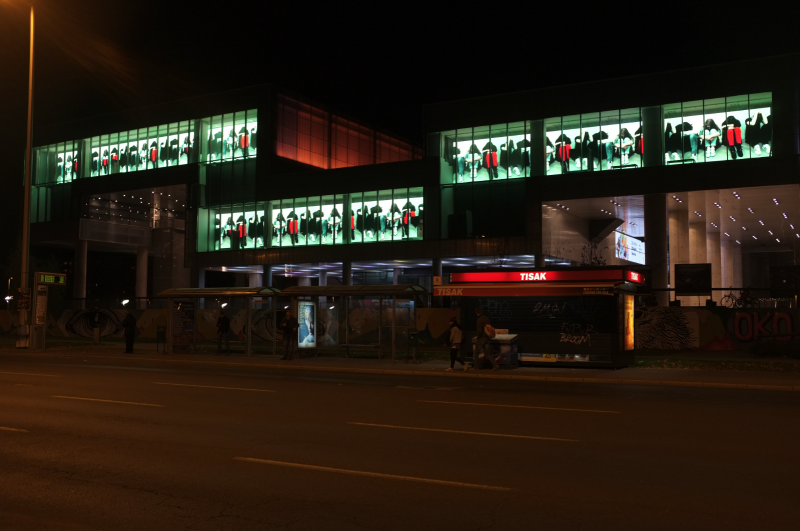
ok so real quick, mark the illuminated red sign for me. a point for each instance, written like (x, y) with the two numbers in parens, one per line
(549, 276)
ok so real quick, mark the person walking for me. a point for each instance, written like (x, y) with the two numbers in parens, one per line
(455, 345)
(482, 340)
(289, 328)
(129, 324)
(223, 327)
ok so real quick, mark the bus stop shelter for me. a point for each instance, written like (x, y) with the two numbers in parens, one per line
(384, 293)
(182, 303)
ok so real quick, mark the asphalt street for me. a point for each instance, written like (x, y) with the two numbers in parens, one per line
(106, 444)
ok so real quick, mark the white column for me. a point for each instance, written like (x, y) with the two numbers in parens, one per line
(714, 258)
(726, 264)
(396, 275)
(303, 281)
(678, 241)
(141, 277)
(254, 280)
(738, 281)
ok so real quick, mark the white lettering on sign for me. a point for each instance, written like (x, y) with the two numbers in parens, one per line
(450, 291)
(634, 276)
(533, 276)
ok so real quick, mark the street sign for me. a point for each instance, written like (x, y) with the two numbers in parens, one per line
(55, 279)
(437, 281)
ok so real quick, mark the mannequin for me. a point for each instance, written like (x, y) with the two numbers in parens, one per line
(173, 152)
(303, 226)
(279, 228)
(623, 143)
(548, 153)
(144, 155)
(672, 143)
(731, 134)
(360, 223)
(638, 142)
(334, 224)
(60, 169)
(187, 148)
(163, 154)
(563, 146)
(75, 166)
(473, 160)
(576, 152)
(68, 169)
(409, 212)
(507, 154)
(153, 160)
(217, 233)
(374, 222)
(521, 156)
(230, 144)
(253, 139)
(123, 159)
(115, 160)
(319, 226)
(352, 226)
(711, 133)
(104, 162)
(490, 159)
(230, 233)
(244, 141)
(292, 227)
(455, 160)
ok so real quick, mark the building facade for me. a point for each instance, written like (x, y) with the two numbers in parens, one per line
(695, 166)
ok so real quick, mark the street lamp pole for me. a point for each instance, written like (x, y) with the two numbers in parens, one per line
(26, 205)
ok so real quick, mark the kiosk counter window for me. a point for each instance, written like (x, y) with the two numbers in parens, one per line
(717, 129)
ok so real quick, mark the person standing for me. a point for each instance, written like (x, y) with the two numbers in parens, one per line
(455, 345)
(289, 329)
(223, 327)
(482, 340)
(129, 324)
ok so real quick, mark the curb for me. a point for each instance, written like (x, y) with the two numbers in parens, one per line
(458, 374)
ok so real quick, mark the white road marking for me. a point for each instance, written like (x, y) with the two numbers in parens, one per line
(463, 432)
(516, 406)
(372, 474)
(3, 428)
(111, 401)
(216, 387)
(31, 374)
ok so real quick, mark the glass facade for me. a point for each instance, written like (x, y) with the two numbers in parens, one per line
(718, 129)
(381, 215)
(229, 136)
(488, 153)
(313, 136)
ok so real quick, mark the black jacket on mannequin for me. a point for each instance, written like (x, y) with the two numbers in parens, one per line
(253, 138)
(173, 149)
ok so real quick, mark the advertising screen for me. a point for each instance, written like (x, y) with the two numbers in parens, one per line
(628, 248)
(629, 322)
(307, 319)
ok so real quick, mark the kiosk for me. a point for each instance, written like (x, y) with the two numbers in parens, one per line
(578, 316)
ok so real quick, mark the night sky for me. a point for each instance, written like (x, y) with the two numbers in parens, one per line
(378, 61)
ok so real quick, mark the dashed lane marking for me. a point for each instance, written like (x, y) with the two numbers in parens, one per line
(372, 474)
(517, 406)
(217, 387)
(110, 401)
(463, 432)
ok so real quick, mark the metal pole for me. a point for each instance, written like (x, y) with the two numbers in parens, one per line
(274, 323)
(26, 205)
(347, 326)
(380, 324)
(249, 301)
(394, 319)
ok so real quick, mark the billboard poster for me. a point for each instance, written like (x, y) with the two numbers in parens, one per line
(183, 323)
(628, 248)
(307, 319)
(629, 322)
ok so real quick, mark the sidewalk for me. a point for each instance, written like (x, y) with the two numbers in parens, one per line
(666, 377)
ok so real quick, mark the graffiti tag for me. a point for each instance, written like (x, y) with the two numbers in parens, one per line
(749, 327)
(577, 334)
(547, 309)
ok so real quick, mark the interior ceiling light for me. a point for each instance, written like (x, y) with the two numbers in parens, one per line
(777, 240)
(733, 218)
(751, 210)
(698, 213)
(760, 221)
(785, 216)
(737, 241)
(776, 201)
(736, 195)
(714, 224)
(717, 205)
(770, 233)
(754, 237)
(728, 235)
(792, 226)
(744, 228)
